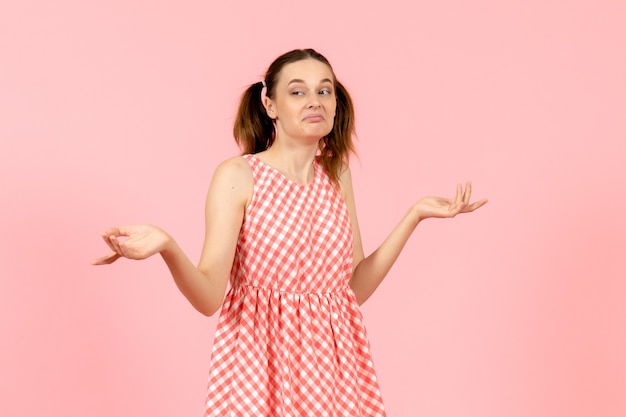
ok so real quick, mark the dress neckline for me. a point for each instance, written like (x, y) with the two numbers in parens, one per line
(274, 169)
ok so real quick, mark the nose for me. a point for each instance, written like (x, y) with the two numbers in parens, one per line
(314, 102)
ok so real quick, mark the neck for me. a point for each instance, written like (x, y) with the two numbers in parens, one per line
(294, 161)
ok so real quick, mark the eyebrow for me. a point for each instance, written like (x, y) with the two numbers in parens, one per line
(297, 80)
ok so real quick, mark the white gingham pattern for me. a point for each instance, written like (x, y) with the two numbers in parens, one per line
(290, 339)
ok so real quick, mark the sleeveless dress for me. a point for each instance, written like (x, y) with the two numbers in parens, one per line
(290, 339)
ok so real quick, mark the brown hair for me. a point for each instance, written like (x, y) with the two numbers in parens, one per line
(254, 130)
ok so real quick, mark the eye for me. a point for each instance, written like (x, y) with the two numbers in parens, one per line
(326, 91)
(297, 93)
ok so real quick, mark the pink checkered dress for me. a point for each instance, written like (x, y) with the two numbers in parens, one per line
(290, 340)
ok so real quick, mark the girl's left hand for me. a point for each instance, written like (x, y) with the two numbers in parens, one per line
(440, 207)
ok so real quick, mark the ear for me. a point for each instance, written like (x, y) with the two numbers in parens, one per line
(270, 109)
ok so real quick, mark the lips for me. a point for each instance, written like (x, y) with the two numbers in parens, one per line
(314, 118)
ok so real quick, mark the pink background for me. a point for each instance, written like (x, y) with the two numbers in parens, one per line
(115, 112)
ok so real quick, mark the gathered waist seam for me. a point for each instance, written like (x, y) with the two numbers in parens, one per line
(278, 290)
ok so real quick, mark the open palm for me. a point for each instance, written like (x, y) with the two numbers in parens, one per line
(448, 207)
(132, 242)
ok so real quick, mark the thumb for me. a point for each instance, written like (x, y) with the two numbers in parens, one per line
(106, 260)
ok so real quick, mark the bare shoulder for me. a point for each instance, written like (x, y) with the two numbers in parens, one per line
(345, 181)
(234, 169)
(235, 177)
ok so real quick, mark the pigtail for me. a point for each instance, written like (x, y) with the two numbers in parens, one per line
(253, 130)
(335, 148)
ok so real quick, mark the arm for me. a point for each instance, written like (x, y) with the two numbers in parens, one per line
(204, 286)
(370, 271)
(229, 194)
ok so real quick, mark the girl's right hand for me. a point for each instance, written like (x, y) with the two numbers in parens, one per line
(133, 242)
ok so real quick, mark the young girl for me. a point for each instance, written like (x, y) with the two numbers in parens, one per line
(281, 227)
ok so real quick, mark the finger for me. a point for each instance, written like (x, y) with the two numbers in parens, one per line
(115, 245)
(125, 231)
(114, 231)
(467, 193)
(107, 239)
(460, 201)
(106, 260)
(475, 206)
(459, 194)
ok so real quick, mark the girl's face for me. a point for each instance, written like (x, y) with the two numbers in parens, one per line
(304, 101)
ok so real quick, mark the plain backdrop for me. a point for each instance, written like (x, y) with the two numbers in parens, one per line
(118, 111)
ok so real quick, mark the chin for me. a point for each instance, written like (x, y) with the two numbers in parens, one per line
(321, 131)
